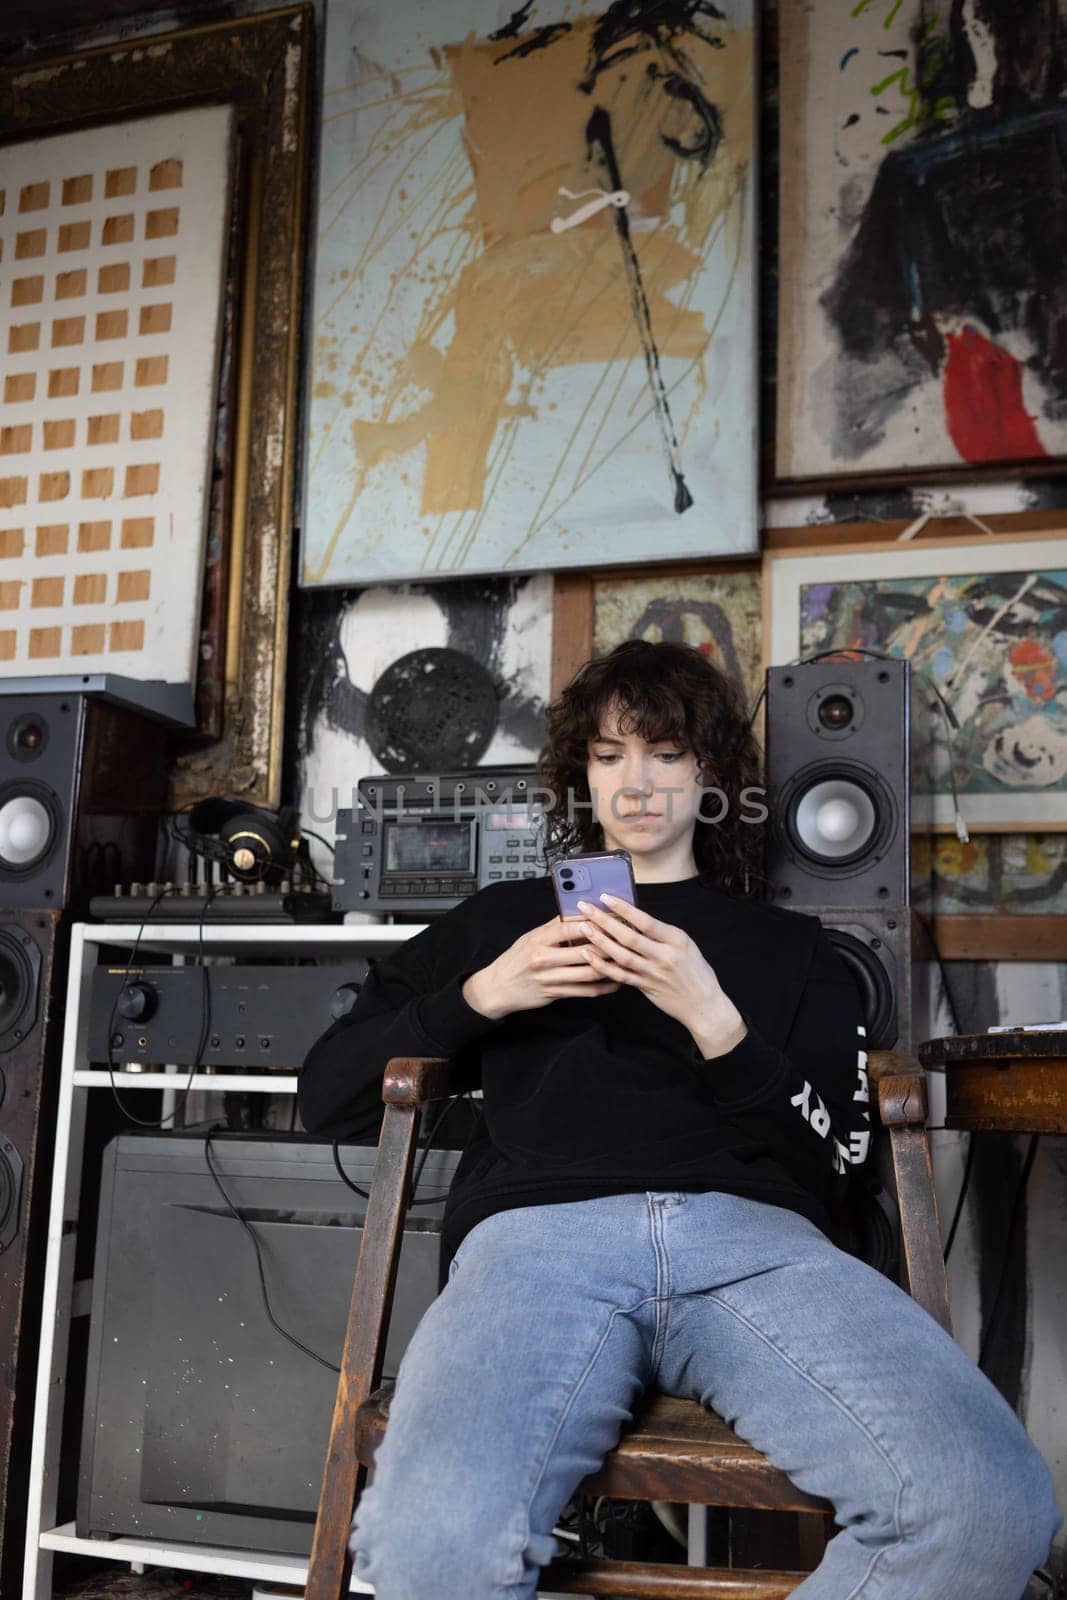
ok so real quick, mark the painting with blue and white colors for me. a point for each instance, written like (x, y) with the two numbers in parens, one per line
(534, 334)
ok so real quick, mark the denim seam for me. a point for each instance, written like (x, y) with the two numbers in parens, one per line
(663, 1284)
(852, 1416)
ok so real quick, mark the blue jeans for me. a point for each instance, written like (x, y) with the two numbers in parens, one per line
(555, 1318)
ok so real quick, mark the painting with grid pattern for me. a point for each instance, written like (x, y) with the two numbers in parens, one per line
(111, 278)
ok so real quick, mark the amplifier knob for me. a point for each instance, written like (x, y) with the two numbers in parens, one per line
(137, 1002)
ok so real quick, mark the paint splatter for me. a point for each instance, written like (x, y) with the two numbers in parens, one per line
(984, 411)
(486, 374)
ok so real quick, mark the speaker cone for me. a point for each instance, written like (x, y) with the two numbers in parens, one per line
(11, 1170)
(835, 712)
(876, 988)
(29, 818)
(20, 963)
(839, 817)
(835, 819)
(27, 737)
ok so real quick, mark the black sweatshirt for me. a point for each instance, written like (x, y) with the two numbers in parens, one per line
(609, 1095)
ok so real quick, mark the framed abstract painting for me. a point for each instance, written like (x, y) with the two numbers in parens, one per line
(923, 219)
(716, 611)
(534, 306)
(982, 621)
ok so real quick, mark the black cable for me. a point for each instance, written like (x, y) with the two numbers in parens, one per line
(416, 1200)
(434, 1131)
(246, 1225)
(364, 1194)
(179, 1104)
(957, 1023)
(928, 925)
(313, 835)
(1009, 1241)
(968, 1166)
(303, 860)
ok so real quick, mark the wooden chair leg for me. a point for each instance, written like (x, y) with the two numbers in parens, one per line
(813, 1534)
(774, 1539)
(330, 1566)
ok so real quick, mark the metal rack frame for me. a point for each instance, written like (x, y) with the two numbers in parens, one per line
(64, 1298)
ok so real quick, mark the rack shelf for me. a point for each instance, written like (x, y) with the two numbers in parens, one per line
(63, 1298)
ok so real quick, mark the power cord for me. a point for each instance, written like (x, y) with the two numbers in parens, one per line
(416, 1200)
(272, 1319)
(1009, 1243)
(324, 842)
(246, 1225)
(179, 1104)
(954, 1012)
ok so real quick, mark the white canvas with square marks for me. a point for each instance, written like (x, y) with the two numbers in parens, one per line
(112, 249)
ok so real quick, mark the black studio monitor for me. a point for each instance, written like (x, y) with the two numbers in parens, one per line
(82, 783)
(839, 746)
(838, 751)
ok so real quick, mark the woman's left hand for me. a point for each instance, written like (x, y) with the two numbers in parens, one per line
(668, 968)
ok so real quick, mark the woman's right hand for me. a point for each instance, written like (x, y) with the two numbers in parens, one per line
(541, 966)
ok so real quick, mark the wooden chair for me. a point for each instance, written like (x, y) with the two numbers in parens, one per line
(675, 1450)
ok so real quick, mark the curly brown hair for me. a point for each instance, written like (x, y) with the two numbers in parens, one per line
(662, 691)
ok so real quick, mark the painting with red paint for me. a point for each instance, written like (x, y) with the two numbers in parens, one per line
(923, 318)
(985, 623)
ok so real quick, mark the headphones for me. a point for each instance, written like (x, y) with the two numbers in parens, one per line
(251, 843)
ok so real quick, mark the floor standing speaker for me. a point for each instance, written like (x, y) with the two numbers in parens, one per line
(32, 956)
(81, 790)
(838, 765)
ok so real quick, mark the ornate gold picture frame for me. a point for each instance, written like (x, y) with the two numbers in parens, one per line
(260, 66)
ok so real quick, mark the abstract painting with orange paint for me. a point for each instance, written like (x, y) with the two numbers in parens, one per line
(994, 643)
(534, 311)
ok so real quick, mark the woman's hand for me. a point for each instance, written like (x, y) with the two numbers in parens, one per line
(668, 968)
(541, 966)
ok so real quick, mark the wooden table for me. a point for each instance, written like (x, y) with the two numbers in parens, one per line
(1015, 1082)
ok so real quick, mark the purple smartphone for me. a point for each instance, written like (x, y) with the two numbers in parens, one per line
(587, 877)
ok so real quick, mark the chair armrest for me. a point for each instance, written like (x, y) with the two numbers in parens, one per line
(413, 1080)
(901, 1088)
(900, 1084)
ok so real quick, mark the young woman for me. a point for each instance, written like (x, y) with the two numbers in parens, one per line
(670, 1109)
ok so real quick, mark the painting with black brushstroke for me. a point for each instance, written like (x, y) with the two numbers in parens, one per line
(924, 213)
(428, 677)
(534, 309)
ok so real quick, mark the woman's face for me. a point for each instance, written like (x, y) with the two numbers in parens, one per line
(645, 796)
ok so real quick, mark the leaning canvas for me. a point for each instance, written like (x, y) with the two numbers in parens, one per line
(112, 247)
(534, 309)
(923, 302)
